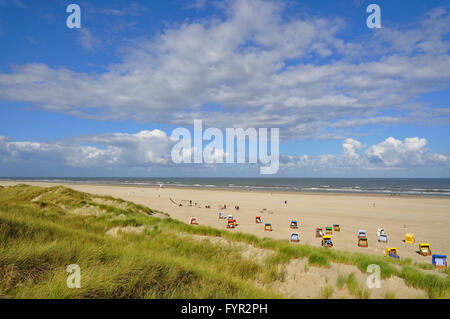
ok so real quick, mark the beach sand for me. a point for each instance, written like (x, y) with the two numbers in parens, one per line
(426, 217)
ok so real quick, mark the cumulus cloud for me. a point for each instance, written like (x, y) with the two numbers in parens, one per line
(142, 149)
(254, 68)
(152, 149)
(350, 147)
(389, 154)
(397, 153)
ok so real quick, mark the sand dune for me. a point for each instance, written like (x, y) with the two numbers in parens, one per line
(428, 218)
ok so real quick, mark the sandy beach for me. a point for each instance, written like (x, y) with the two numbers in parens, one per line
(426, 217)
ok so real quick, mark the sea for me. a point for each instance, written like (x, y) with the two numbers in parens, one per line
(389, 186)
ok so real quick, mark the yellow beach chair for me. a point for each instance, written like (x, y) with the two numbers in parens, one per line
(326, 241)
(424, 249)
(392, 253)
(410, 239)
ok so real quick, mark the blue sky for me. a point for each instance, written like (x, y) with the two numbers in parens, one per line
(103, 100)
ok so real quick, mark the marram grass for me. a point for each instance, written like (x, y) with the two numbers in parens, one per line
(42, 231)
(39, 237)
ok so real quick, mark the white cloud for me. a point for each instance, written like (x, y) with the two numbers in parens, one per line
(152, 150)
(397, 153)
(133, 9)
(143, 149)
(87, 40)
(304, 161)
(350, 147)
(260, 70)
(389, 154)
(197, 4)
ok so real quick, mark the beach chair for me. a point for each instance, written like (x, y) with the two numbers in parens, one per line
(362, 234)
(382, 238)
(293, 224)
(326, 241)
(380, 231)
(362, 242)
(424, 249)
(410, 239)
(295, 238)
(230, 217)
(336, 227)
(391, 252)
(268, 227)
(439, 261)
(221, 215)
(231, 223)
(329, 231)
(319, 232)
(258, 220)
(193, 221)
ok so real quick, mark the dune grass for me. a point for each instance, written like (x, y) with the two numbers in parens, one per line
(41, 233)
(327, 292)
(318, 260)
(341, 281)
(39, 237)
(435, 286)
(349, 281)
(389, 295)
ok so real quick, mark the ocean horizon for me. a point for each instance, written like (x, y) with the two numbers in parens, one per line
(387, 186)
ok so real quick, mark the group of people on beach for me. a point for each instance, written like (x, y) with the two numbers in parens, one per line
(224, 206)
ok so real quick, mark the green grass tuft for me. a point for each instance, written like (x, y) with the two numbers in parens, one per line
(318, 259)
(327, 292)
